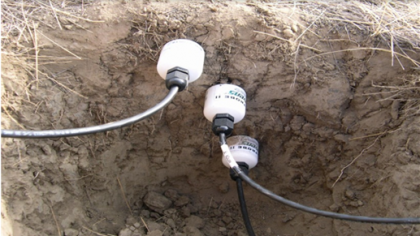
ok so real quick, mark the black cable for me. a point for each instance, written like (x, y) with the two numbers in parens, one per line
(363, 219)
(93, 129)
(222, 139)
(244, 211)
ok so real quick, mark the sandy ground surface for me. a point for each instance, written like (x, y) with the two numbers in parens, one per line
(337, 122)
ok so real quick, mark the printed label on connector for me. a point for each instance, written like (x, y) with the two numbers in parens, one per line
(244, 147)
(243, 143)
(234, 94)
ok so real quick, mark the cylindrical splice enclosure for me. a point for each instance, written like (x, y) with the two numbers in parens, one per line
(182, 53)
(225, 98)
(243, 149)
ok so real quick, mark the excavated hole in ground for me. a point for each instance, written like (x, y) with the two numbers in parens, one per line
(312, 111)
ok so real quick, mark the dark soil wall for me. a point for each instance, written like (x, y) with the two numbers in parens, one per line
(333, 133)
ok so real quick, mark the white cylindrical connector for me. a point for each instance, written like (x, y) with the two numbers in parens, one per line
(182, 53)
(225, 98)
(243, 149)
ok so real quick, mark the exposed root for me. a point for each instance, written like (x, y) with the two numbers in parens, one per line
(415, 62)
(55, 220)
(97, 233)
(123, 194)
(65, 49)
(354, 160)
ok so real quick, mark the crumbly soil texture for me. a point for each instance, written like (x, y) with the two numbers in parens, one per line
(332, 98)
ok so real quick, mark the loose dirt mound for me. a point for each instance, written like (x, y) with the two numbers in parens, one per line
(332, 96)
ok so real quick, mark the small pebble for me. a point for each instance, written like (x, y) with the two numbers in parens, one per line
(195, 221)
(171, 223)
(224, 187)
(125, 232)
(295, 28)
(185, 212)
(226, 219)
(182, 201)
(171, 194)
(350, 194)
(334, 207)
(288, 33)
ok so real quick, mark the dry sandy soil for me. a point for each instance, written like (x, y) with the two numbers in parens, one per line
(333, 93)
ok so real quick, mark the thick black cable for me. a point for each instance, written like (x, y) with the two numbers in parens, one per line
(244, 211)
(93, 129)
(339, 216)
(363, 219)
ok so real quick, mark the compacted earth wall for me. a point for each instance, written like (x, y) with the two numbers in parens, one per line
(332, 97)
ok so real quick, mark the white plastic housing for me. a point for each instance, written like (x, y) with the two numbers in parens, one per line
(183, 53)
(243, 149)
(225, 98)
